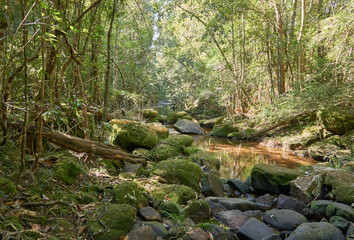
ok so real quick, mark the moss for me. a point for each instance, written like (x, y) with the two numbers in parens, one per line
(161, 131)
(211, 122)
(337, 119)
(165, 151)
(142, 152)
(150, 113)
(339, 141)
(174, 193)
(206, 159)
(131, 193)
(67, 171)
(222, 130)
(191, 150)
(169, 207)
(180, 140)
(109, 165)
(7, 187)
(134, 135)
(183, 115)
(235, 135)
(342, 185)
(85, 198)
(248, 132)
(64, 227)
(197, 210)
(181, 172)
(117, 218)
(172, 117)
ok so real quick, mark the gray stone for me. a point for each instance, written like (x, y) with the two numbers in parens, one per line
(239, 185)
(340, 223)
(150, 214)
(284, 219)
(188, 126)
(142, 232)
(216, 207)
(254, 229)
(212, 186)
(286, 202)
(238, 204)
(316, 231)
(234, 219)
(158, 228)
(272, 237)
(340, 209)
(265, 202)
(350, 232)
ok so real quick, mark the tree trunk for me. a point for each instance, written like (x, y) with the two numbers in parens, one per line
(301, 50)
(280, 43)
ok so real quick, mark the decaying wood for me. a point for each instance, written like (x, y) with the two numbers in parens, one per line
(80, 145)
(280, 122)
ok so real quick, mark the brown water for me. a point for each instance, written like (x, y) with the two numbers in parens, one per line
(237, 158)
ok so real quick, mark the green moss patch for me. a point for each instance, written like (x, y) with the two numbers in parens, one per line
(174, 193)
(180, 140)
(222, 130)
(131, 193)
(67, 171)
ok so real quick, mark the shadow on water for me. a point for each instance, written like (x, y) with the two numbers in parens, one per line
(237, 158)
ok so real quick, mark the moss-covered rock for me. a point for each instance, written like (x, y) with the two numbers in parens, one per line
(222, 130)
(134, 135)
(248, 132)
(161, 131)
(197, 210)
(7, 187)
(169, 207)
(165, 151)
(181, 141)
(174, 193)
(309, 135)
(337, 119)
(173, 117)
(181, 172)
(235, 135)
(272, 179)
(142, 152)
(191, 150)
(131, 193)
(321, 151)
(183, 115)
(341, 142)
(206, 159)
(118, 220)
(67, 171)
(85, 198)
(211, 122)
(150, 113)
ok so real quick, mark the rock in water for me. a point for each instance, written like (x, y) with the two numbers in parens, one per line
(188, 126)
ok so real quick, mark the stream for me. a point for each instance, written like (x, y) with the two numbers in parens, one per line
(237, 158)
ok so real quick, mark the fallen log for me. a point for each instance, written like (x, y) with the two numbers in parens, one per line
(80, 145)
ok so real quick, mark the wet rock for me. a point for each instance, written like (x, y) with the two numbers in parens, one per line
(118, 220)
(212, 186)
(265, 202)
(134, 135)
(340, 209)
(238, 204)
(272, 179)
(188, 126)
(142, 232)
(208, 162)
(180, 172)
(316, 231)
(239, 185)
(319, 180)
(254, 229)
(150, 214)
(286, 202)
(131, 193)
(174, 193)
(272, 237)
(198, 234)
(197, 210)
(318, 208)
(158, 228)
(284, 219)
(211, 122)
(222, 130)
(340, 223)
(337, 119)
(216, 207)
(234, 219)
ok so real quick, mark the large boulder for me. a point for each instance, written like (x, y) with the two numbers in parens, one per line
(319, 180)
(188, 126)
(135, 135)
(211, 122)
(272, 179)
(212, 185)
(222, 130)
(338, 119)
(316, 231)
(111, 221)
(284, 219)
(160, 130)
(131, 193)
(173, 193)
(180, 172)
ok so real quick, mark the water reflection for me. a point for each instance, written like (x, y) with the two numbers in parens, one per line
(237, 158)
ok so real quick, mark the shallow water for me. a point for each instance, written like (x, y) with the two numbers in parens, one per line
(237, 158)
